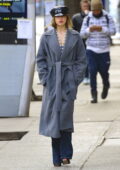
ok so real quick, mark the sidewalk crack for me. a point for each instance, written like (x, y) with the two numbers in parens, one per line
(101, 140)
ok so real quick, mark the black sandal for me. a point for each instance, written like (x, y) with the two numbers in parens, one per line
(57, 164)
(65, 161)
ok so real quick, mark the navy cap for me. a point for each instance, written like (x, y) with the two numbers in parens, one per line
(59, 11)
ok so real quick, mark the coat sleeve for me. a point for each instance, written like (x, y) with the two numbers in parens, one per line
(41, 60)
(81, 62)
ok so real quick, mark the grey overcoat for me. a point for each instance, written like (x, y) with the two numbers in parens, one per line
(60, 76)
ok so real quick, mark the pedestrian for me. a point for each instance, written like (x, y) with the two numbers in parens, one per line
(97, 28)
(61, 63)
(77, 20)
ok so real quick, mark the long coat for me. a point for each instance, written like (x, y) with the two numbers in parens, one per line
(60, 76)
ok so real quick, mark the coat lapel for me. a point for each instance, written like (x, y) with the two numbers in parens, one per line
(70, 43)
(53, 43)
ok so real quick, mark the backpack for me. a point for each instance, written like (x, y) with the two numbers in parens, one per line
(106, 16)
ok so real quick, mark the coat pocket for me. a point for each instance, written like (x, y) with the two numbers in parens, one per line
(75, 75)
(72, 85)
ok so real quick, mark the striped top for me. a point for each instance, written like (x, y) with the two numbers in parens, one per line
(61, 45)
(98, 42)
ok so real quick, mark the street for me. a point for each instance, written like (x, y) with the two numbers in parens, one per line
(96, 139)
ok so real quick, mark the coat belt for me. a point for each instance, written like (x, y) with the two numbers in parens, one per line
(61, 63)
(58, 92)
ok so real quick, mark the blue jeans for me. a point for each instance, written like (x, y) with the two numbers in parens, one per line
(87, 73)
(62, 147)
(98, 63)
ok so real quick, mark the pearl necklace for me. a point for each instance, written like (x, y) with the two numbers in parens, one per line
(61, 37)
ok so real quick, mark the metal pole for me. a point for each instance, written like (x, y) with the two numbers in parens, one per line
(29, 66)
(119, 16)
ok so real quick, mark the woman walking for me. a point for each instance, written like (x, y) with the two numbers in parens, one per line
(61, 63)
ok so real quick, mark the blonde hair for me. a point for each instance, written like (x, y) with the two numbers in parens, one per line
(68, 22)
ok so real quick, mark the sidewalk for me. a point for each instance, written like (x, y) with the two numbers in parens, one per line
(106, 155)
(96, 139)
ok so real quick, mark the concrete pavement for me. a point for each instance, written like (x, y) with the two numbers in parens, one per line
(96, 139)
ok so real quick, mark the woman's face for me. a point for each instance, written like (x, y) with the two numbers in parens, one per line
(61, 20)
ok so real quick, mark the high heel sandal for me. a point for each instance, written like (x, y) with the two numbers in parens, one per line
(65, 161)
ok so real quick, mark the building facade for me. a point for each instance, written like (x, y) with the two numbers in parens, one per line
(44, 6)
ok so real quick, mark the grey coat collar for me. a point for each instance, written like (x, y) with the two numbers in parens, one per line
(71, 39)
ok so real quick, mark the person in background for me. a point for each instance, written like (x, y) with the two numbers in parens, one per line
(61, 66)
(77, 20)
(97, 28)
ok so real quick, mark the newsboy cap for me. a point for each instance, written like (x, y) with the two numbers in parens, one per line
(59, 11)
(96, 5)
